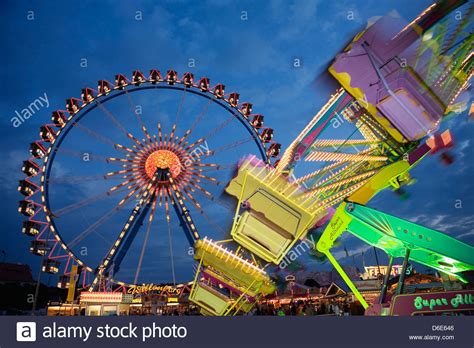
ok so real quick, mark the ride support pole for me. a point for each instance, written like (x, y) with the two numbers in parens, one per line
(383, 292)
(401, 280)
(347, 280)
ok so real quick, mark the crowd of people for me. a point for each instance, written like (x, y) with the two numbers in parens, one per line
(307, 307)
(339, 307)
(183, 310)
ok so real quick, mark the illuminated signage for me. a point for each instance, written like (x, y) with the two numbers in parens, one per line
(159, 289)
(372, 272)
(101, 297)
(368, 284)
(433, 302)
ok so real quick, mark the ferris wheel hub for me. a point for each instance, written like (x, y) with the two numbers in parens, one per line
(163, 159)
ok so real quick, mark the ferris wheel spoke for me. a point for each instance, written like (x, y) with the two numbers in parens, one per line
(197, 120)
(213, 165)
(203, 190)
(112, 118)
(180, 105)
(103, 139)
(170, 139)
(171, 253)
(71, 179)
(100, 235)
(204, 168)
(167, 207)
(91, 228)
(126, 149)
(161, 198)
(132, 108)
(219, 167)
(122, 184)
(197, 173)
(191, 197)
(145, 242)
(220, 127)
(134, 186)
(86, 156)
(87, 201)
(198, 206)
(127, 171)
(193, 145)
(135, 140)
(228, 146)
(138, 190)
(160, 134)
(148, 137)
(212, 198)
(119, 160)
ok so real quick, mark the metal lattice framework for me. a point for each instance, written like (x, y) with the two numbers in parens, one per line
(342, 164)
(444, 55)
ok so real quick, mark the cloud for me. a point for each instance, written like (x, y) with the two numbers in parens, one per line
(10, 170)
(467, 234)
(353, 251)
(300, 15)
(449, 224)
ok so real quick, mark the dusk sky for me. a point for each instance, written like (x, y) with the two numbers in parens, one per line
(250, 46)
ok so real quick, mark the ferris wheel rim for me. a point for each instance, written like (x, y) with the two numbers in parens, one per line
(92, 105)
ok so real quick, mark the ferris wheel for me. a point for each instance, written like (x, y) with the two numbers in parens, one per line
(129, 175)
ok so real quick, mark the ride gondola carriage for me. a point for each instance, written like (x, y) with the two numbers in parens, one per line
(103, 87)
(30, 168)
(58, 118)
(155, 76)
(47, 133)
(87, 95)
(63, 281)
(246, 109)
(120, 81)
(31, 228)
(138, 78)
(27, 188)
(50, 266)
(39, 247)
(73, 105)
(27, 208)
(225, 283)
(37, 150)
(188, 79)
